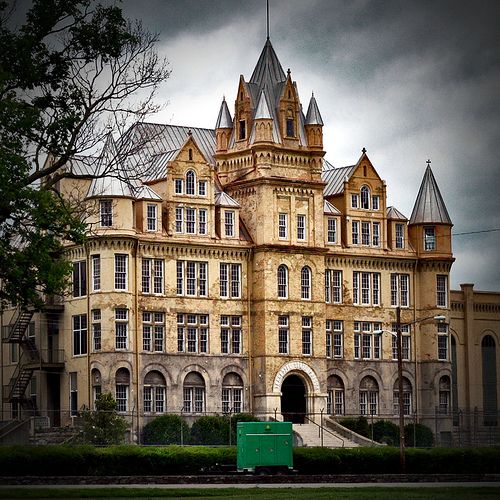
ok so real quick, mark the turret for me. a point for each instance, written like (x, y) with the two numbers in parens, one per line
(223, 127)
(314, 125)
(263, 122)
(430, 225)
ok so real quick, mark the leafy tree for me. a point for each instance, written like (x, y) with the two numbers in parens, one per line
(103, 426)
(67, 75)
(385, 431)
(418, 435)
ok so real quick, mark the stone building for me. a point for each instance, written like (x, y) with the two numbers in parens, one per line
(235, 270)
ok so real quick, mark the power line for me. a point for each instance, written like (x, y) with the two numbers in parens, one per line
(477, 232)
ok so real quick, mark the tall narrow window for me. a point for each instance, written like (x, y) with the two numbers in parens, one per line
(73, 394)
(202, 221)
(96, 273)
(230, 334)
(429, 238)
(282, 282)
(306, 335)
(489, 373)
(190, 220)
(365, 197)
(179, 219)
(106, 213)
(328, 339)
(121, 328)
(154, 392)
(229, 223)
(442, 330)
(338, 334)
(178, 186)
(190, 182)
(365, 233)
(400, 290)
(79, 278)
(442, 290)
(290, 127)
(368, 396)
(194, 393)
(332, 230)
(242, 130)
(305, 283)
(96, 329)
(400, 236)
(122, 384)
(333, 286)
(283, 334)
(355, 232)
(376, 202)
(152, 217)
(301, 227)
(444, 395)
(121, 262)
(232, 393)
(283, 226)
(79, 334)
(376, 234)
(202, 188)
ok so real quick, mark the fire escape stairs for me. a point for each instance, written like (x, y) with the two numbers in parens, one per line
(28, 357)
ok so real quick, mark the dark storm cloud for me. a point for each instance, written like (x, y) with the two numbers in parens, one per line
(409, 80)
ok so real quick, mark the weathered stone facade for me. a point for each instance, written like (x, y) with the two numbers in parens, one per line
(241, 258)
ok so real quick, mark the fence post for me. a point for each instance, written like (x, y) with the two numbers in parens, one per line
(436, 425)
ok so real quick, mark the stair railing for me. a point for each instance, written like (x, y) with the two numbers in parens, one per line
(322, 429)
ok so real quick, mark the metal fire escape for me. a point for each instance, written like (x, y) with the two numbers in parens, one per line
(30, 359)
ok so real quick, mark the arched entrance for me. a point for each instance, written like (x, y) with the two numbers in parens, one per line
(293, 399)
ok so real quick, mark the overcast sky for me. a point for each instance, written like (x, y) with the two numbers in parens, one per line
(408, 80)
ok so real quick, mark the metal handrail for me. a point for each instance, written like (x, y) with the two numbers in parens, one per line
(322, 428)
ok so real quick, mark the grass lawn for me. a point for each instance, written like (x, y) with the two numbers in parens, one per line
(374, 493)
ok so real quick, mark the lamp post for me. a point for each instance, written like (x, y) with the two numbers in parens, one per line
(399, 349)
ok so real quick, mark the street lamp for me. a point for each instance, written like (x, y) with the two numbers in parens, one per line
(399, 349)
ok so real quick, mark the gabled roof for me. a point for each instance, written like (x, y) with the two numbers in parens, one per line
(335, 178)
(328, 208)
(224, 119)
(224, 200)
(143, 192)
(429, 205)
(394, 213)
(313, 116)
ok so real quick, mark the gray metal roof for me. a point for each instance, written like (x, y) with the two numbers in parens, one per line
(145, 140)
(268, 71)
(262, 112)
(313, 116)
(429, 206)
(224, 200)
(335, 177)
(394, 213)
(328, 208)
(224, 119)
(143, 192)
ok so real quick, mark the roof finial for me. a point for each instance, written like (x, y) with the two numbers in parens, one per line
(428, 163)
(267, 19)
(363, 150)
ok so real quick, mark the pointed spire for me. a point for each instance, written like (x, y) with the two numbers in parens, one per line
(224, 119)
(268, 71)
(313, 116)
(429, 205)
(262, 112)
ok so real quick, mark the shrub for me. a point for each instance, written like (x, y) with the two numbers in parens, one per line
(240, 417)
(210, 430)
(418, 435)
(166, 429)
(385, 431)
(358, 425)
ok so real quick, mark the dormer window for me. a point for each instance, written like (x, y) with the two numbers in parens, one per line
(429, 238)
(229, 223)
(152, 217)
(106, 213)
(365, 198)
(242, 129)
(190, 182)
(400, 236)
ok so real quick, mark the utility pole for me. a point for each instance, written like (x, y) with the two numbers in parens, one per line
(402, 458)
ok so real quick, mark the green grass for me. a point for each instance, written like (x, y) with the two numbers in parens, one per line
(361, 493)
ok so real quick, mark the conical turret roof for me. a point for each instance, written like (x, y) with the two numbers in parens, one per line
(313, 116)
(268, 71)
(429, 207)
(224, 119)
(262, 111)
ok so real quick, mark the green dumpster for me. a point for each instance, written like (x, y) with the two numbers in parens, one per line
(264, 446)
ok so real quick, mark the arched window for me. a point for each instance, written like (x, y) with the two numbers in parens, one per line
(305, 283)
(290, 124)
(194, 393)
(95, 376)
(282, 282)
(365, 197)
(190, 182)
(407, 398)
(154, 392)
(122, 385)
(335, 398)
(232, 393)
(444, 394)
(368, 396)
(489, 369)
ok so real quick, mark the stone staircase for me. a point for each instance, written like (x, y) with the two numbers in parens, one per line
(310, 436)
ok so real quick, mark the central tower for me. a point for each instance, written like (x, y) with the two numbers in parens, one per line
(269, 158)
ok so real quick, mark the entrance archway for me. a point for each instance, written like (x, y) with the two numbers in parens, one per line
(293, 399)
